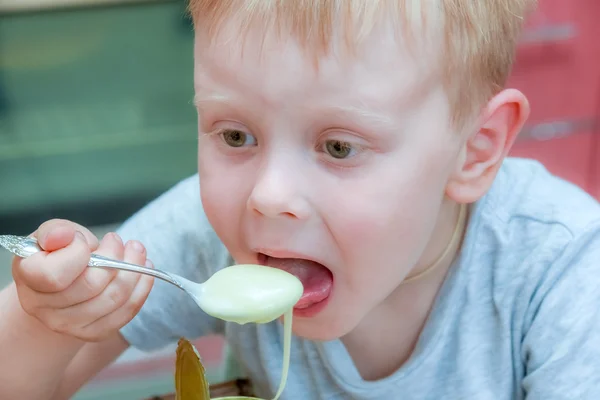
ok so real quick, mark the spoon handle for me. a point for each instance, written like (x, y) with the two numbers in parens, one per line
(27, 246)
(105, 262)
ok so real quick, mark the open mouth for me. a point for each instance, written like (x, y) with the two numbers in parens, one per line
(316, 279)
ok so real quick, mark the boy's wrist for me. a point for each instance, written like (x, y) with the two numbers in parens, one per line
(26, 327)
(28, 345)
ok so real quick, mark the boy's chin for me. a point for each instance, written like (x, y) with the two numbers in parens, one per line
(318, 329)
(319, 334)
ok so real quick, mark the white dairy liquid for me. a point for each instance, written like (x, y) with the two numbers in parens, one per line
(287, 343)
(254, 294)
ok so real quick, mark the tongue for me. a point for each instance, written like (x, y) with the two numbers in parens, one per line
(316, 279)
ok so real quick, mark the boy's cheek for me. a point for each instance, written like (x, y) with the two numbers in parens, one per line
(370, 234)
(219, 208)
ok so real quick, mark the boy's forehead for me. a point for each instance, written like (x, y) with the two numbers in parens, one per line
(384, 67)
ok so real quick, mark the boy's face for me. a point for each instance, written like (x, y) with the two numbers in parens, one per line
(345, 165)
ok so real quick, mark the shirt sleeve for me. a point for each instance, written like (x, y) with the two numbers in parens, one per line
(178, 238)
(561, 345)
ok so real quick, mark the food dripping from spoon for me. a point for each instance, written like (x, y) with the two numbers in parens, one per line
(249, 293)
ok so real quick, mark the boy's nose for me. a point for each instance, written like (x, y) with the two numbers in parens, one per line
(276, 194)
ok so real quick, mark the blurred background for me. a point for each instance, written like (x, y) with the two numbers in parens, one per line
(96, 120)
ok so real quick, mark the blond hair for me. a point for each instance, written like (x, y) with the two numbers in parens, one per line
(479, 37)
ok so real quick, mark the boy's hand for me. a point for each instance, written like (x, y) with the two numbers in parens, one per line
(56, 286)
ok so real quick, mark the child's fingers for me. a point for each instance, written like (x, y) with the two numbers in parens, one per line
(115, 294)
(56, 271)
(88, 285)
(135, 253)
(114, 321)
(57, 234)
(111, 246)
(44, 280)
(93, 281)
(57, 287)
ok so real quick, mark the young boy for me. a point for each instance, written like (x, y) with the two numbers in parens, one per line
(360, 145)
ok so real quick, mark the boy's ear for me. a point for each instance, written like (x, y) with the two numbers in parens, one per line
(484, 151)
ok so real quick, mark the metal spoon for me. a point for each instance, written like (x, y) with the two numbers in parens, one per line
(273, 291)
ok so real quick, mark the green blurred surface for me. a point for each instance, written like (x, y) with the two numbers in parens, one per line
(97, 104)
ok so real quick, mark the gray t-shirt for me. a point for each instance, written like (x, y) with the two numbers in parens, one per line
(518, 316)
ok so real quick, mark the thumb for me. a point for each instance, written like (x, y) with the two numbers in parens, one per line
(56, 238)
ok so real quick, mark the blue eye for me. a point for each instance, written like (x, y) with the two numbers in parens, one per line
(236, 138)
(339, 149)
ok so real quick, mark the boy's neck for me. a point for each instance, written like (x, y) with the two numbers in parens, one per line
(386, 338)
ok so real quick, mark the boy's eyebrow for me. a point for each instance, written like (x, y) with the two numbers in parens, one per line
(212, 98)
(364, 113)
